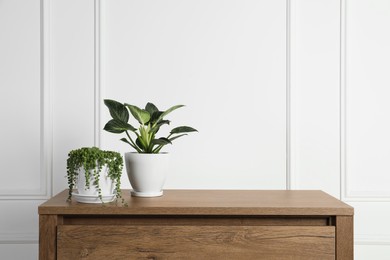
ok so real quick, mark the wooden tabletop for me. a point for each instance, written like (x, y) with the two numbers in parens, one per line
(208, 202)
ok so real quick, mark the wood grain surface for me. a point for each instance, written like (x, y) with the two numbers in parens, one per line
(209, 202)
(344, 241)
(196, 224)
(48, 236)
(195, 242)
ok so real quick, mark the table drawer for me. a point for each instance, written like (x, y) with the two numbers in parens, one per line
(195, 242)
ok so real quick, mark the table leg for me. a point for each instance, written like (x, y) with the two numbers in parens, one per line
(48, 237)
(344, 237)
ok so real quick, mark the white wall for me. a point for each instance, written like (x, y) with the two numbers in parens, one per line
(315, 95)
(365, 140)
(24, 183)
(46, 81)
(285, 94)
(226, 62)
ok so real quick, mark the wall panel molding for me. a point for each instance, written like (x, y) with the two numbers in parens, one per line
(347, 194)
(44, 191)
(313, 146)
(367, 239)
(105, 79)
(289, 182)
(292, 174)
(19, 238)
(97, 72)
(343, 167)
(99, 91)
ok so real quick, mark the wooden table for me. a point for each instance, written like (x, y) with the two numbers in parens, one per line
(199, 224)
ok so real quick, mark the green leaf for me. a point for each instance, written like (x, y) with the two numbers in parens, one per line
(166, 112)
(141, 115)
(126, 141)
(175, 137)
(145, 136)
(163, 122)
(161, 141)
(117, 126)
(129, 143)
(140, 144)
(183, 129)
(151, 108)
(117, 110)
(155, 116)
(159, 124)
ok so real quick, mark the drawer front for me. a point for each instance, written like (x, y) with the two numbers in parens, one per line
(195, 242)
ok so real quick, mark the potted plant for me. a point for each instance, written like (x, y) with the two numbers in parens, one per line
(95, 173)
(146, 166)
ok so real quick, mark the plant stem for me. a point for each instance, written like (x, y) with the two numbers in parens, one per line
(134, 145)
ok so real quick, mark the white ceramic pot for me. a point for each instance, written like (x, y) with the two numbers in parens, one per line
(91, 194)
(147, 173)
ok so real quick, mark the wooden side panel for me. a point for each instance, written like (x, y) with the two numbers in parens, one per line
(195, 242)
(47, 237)
(344, 241)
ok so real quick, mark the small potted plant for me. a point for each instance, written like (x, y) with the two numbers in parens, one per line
(95, 173)
(146, 166)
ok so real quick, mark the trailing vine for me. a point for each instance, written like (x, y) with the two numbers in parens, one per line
(92, 160)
